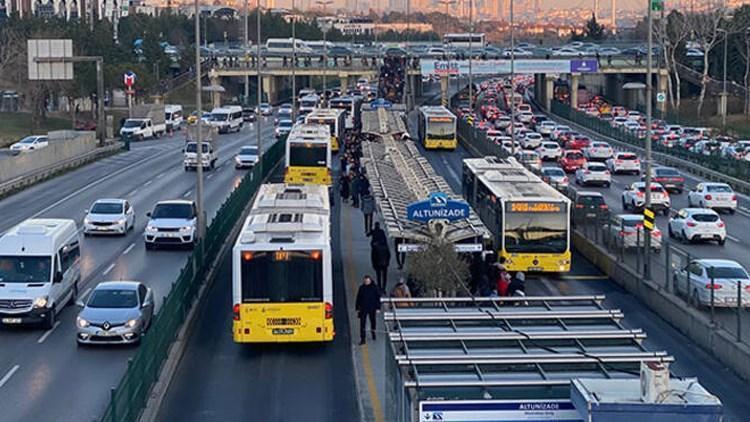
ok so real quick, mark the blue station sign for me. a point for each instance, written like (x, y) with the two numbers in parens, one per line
(437, 207)
(381, 103)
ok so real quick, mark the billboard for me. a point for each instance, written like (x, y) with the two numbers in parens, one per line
(498, 411)
(499, 67)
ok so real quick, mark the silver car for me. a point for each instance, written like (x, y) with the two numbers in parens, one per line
(116, 312)
(696, 280)
(109, 216)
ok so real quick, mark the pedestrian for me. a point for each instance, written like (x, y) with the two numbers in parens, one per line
(355, 191)
(380, 255)
(400, 291)
(344, 188)
(517, 285)
(502, 280)
(368, 209)
(367, 305)
(378, 235)
(483, 287)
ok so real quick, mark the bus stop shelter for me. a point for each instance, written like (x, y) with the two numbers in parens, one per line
(516, 352)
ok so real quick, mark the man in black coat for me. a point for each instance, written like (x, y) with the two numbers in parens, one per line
(381, 258)
(378, 235)
(367, 306)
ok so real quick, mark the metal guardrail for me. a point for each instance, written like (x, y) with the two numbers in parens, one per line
(715, 168)
(130, 396)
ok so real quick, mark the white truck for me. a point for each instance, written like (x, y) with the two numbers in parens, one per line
(208, 156)
(147, 121)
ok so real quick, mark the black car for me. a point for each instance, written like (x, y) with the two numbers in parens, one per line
(668, 177)
(588, 207)
(338, 51)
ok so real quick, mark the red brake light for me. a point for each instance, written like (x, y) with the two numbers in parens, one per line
(720, 224)
(708, 197)
(579, 206)
(691, 224)
(734, 197)
(603, 206)
(329, 311)
(236, 312)
(713, 286)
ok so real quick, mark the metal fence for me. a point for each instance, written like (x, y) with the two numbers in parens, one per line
(726, 166)
(130, 396)
(666, 265)
(478, 141)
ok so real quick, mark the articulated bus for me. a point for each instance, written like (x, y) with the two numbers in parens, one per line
(529, 220)
(437, 127)
(282, 273)
(334, 119)
(308, 155)
(351, 104)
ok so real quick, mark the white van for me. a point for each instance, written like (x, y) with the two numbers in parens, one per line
(173, 116)
(285, 46)
(226, 119)
(308, 103)
(39, 271)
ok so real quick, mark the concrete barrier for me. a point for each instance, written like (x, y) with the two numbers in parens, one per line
(63, 145)
(719, 343)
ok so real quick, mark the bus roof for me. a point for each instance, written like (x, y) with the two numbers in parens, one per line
(309, 132)
(287, 216)
(325, 113)
(508, 180)
(436, 111)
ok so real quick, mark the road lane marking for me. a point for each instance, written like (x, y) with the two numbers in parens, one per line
(48, 332)
(85, 292)
(733, 239)
(132, 192)
(108, 269)
(450, 169)
(187, 194)
(210, 176)
(148, 183)
(128, 249)
(4, 380)
(583, 277)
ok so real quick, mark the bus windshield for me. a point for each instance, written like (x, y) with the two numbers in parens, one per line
(282, 276)
(536, 231)
(308, 155)
(441, 130)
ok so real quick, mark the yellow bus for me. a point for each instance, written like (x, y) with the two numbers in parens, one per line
(529, 219)
(282, 273)
(437, 128)
(335, 119)
(308, 155)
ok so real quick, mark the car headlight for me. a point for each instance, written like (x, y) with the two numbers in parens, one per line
(150, 228)
(86, 221)
(186, 228)
(40, 302)
(121, 221)
(237, 159)
(82, 323)
(131, 323)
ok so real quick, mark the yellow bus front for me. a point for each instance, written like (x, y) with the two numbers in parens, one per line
(308, 163)
(308, 175)
(284, 296)
(440, 133)
(431, 142)
(536, 236)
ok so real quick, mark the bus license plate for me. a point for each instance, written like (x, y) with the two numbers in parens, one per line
(11, 320)
(536, 269)
(282, 331)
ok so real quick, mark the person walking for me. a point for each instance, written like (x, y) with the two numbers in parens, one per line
(517, 285)
(355, 190)
(367, 305)
(368, 209)
(380, 255)
(344, 188)
(378, 235)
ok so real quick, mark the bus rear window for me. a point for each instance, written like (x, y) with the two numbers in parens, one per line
(313, 155)
(282, 276)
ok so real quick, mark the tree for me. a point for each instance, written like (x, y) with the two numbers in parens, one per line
(709, 29)
(438, 268)
(592, 31)
(672, 34)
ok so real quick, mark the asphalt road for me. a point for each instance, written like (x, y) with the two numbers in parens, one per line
(691, 360)
(219, 380)
(44, 375)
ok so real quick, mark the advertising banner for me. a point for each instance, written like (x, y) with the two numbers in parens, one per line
(499, 67)
(498, 411)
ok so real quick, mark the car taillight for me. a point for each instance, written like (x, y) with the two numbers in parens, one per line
(713, 286)
(236, 312)
(565, 179)
(708, 197)
(639, 194)
(329, 311)
(720, 224)
(579, 206)
(691, 224)
(734, 197)
(603, 206)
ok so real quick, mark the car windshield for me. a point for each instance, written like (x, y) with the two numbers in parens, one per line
(249, 151)
(27, 140)
(279, 276)
(590, 200)
(553, 172)
(632, 222)
(183, 211)
(574, 156)
(113, 298)
(597, 167)
(25, 269)
(627, 157)
(667, 173)
(107, 208)
(132, 123)
(705, 218)
(718, 188)
(219, 117)
(193, 147)
(726, 272)
(308, 155)
(285, 124)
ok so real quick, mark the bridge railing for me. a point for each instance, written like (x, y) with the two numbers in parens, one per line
(712, 167)
(128, 399)
(478, 141)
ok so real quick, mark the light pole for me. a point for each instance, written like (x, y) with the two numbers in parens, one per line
(324, 4)
(447, 3)
(512, 83)
(199, 124)
(258, 117)
(471, 54)
(244, 50)
(294, 63)
(649, 95)
(724, 82)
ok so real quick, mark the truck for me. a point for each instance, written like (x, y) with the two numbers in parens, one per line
(147, 121)
(209, 156)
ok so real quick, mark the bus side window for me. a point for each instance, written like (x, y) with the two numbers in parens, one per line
(468, 185)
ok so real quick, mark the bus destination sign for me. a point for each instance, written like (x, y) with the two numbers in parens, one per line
(536, 207)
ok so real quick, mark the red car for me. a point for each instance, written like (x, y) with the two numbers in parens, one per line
(571, 160)
(578, 142)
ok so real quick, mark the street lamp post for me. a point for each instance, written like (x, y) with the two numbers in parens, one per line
(324, 4)
(649, 95)
(199, 136)
(471, 54)
(512, 83)
(294, 63)
(258, 117)
(244, 50)
(724, 82)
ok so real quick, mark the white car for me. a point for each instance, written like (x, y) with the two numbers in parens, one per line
(247, 157)
(29, 143)
(549, 150)
(714, 196)
(692, 224)
(697, 279)
(109, 216)
(627, 232)
(634, 115)
(558, 130)
(517, 126)
(598, 150)
(502, 122)
(634, 197)
(532, 140)
(567, 52)
(525, 116)
(618, 121)
(624, 162)
(546, 127)
(593, 173)
(171, 223)
(508, 146)
(555, 177)
(529, 159)
(631, 126)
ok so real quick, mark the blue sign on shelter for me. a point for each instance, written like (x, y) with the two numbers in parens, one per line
(437, 207)
(381, 103)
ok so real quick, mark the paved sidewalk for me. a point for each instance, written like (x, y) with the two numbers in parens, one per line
(369, 359)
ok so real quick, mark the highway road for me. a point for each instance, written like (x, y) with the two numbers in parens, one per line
(43, 374)
(585, 279)
(219, 380)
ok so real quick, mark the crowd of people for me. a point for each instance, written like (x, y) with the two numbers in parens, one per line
(489, 277)
(392, 78)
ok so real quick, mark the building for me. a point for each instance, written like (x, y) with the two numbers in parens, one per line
(401, 26)
(355, 25)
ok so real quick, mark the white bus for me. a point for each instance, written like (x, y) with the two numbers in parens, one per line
(173, 116)
(282, 272)
(465, 40)
(334, 119)
(308, 155)
(352, 106)
(226, 119)
(308, 103)
(287, 46)
(437, 128)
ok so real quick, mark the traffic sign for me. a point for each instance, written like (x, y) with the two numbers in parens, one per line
(661, 97)
(657, 5)
(470, 120)
(128, 78)
(648, 219)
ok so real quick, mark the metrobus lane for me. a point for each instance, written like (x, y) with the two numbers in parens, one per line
(585, 279)
(224, 380)
(49, 362)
